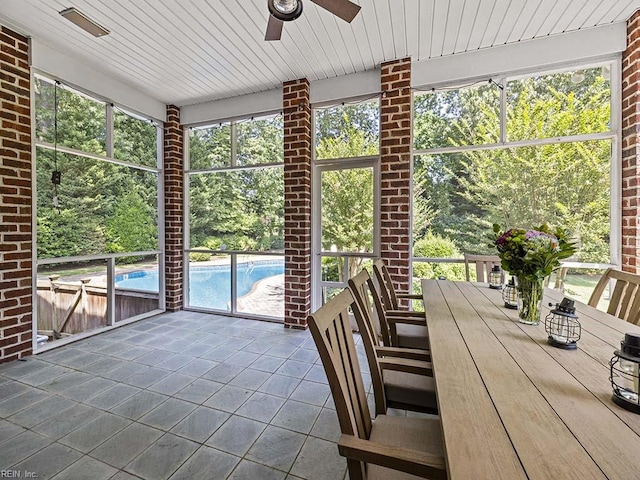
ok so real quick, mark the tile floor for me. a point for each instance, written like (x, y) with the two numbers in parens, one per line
(181, 396)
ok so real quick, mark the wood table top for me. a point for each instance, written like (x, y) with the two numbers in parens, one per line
(511, 405)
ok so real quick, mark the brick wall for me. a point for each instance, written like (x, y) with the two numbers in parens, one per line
(297, 201)
(395, 160)
(15, 197)
(631, 147)
(173, 205)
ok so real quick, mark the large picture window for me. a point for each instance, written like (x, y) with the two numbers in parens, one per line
(236, 217)
(97, 226)
(518, 152)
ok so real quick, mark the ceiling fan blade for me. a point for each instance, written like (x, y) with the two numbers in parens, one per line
(274, 29)
(344, 9)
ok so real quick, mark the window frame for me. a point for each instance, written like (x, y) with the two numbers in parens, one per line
(233, 254)
(327, 164)
(110, 258)
(614, 135)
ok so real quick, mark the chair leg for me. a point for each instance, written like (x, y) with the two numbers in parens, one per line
(356, 470)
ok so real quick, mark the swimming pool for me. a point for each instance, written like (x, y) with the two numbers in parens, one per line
(209, 286)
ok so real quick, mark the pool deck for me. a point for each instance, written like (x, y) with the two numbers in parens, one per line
(265, 298)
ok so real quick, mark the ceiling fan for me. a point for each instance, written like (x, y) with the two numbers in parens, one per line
(288, 10)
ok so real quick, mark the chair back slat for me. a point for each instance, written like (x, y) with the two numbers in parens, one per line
(615, 302)
(331, 331)
(634, 311)
(387, 291)
(628, 296)
(362, 311)
(365, 292)
(483, 263)
(625, 297)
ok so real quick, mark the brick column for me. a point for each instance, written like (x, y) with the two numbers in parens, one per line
(631, 147)
(297, 203)
(173, 208)
(395, 160)
(16, 302)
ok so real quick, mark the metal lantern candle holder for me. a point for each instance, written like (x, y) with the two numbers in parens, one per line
(562, 325)
(510, 295)
(624, 373)
(495, 278)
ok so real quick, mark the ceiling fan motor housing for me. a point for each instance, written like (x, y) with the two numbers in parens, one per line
(289, 9)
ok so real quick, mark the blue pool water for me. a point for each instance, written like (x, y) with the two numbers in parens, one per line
(210, 286)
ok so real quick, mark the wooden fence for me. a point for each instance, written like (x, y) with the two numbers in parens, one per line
(68, 308)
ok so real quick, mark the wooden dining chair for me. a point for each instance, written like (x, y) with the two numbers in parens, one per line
(388, 447)
(395, 328)
(390, 297)
(625, 297)
(483, 264)
(401, 377)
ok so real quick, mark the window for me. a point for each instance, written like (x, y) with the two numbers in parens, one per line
(236, 217)
(346, 229)
(103, 213)
(546, 158)
(81, 119)
(347, 131)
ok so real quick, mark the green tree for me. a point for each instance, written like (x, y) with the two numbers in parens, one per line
(347, 195)
(94, 195)
(560, 183)
(242, 209)
(131, 227)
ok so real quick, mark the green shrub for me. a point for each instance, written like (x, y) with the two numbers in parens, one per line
(436, 246)
(232, 242)
(199, 256)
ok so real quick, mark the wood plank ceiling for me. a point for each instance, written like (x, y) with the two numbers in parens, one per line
(197, 50)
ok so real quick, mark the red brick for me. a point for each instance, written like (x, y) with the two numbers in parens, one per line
(297, 174)
(15, 178)
(631, 153)
(395, 159)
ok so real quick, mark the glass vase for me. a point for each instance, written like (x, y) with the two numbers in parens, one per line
(530, 291)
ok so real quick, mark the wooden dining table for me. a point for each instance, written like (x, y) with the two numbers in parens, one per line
(514, 407)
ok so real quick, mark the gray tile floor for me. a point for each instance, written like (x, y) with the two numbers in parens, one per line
(182, 396)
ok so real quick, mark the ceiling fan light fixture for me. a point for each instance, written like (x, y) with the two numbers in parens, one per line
(285, 10)
(285, 6)
(78, 18)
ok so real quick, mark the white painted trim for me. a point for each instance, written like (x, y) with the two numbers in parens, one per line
(162, 271)
(34, 216)
(355, 85)
(186, 215)
(100, 158)
(326, 91)
(577, 47)
(79, 75)
(615, 173)
(583, 137)
(537, 54)
(233, 108)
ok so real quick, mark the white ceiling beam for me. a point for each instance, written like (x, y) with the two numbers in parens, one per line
(574, 47)
(321, 92)
(329, 90)
(83, 77)
(537, 54)
(253, 104)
